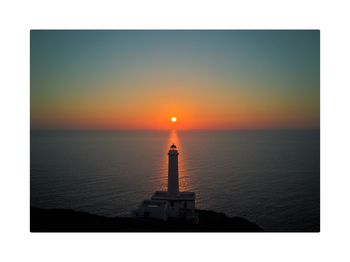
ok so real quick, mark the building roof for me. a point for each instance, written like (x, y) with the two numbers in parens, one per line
(182, 196)
(153, 203)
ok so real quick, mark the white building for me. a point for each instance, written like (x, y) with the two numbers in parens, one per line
(170, 204)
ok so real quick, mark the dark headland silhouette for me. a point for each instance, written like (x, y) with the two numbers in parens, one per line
(64, 220)
(166, 211)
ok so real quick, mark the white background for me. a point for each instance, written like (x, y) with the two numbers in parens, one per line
(18, 17)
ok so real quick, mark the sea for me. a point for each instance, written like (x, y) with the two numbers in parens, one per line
(270, 177)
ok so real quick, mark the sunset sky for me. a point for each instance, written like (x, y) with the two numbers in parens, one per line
(206, 79)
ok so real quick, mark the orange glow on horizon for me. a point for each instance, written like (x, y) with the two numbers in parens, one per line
(194, 103)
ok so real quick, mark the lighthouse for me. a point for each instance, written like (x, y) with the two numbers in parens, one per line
(170, 204)
(173, 171)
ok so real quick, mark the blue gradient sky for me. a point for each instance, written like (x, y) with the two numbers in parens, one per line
(208, 79)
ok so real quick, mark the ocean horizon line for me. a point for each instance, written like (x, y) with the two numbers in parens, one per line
(167, 130)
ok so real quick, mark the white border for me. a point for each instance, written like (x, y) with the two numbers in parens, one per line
(18, 17)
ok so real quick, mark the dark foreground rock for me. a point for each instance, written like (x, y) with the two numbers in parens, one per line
(62, 220)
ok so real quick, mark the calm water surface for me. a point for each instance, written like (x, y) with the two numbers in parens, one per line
(271, 178)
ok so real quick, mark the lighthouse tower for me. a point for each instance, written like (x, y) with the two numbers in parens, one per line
(173, 171)
(170, 204)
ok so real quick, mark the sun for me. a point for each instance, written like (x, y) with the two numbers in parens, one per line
(173, 119)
